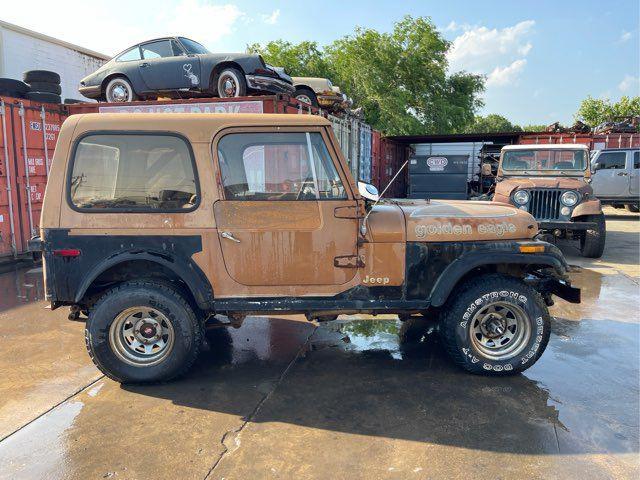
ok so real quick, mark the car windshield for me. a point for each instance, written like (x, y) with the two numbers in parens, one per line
(193, 47)
(544, 160)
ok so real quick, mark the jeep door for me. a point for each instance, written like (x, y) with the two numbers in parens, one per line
(288, 216)
(166, 66)
(612, 177)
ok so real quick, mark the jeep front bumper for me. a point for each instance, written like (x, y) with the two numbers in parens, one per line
(560, 225)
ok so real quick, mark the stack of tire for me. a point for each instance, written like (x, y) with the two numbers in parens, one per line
(44, 86)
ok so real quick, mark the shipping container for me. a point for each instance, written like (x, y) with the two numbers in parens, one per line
(28, 136)
(593, 141)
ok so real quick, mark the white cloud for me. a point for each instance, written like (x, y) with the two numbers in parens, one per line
(272, 18)
(202, 20)
(501, 76)
(630, 84)
(625, 36)
(498, 53)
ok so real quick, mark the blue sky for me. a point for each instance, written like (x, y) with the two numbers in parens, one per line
(541, 57)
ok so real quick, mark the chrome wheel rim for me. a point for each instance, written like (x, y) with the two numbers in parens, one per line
(500, 330)
(229, 86)
(304, 99)
(141, 336)
(118, 92)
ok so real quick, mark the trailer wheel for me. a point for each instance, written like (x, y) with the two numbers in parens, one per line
(231, 83)
(495, 325)
(41, 76)
(592, 241)
(142, 331)
(306, 96)
(45, 87)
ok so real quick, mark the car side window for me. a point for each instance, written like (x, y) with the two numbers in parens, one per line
(278, 166)
(612, 160)
(130, 55)
(160, 49)
(636, 159)
(141, 172)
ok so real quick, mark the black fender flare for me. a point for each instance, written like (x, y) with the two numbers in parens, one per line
(451, 275)
(185, 269)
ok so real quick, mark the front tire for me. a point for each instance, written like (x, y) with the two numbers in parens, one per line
(119, 90)
(231, 83)
(495, 325)
(592, 241)
(633, 208)
(143, 331)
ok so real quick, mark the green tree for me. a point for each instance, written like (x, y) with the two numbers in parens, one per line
(534, 128)
(304, 59)
(399, 78)
(491, 123)
(594, 111)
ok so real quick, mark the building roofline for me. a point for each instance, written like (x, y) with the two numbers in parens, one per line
(57, 41)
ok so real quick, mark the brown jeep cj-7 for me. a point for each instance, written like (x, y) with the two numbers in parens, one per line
(152, 223)
(552, 182)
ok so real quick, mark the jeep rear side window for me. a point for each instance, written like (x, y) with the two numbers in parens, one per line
(133, 173)
(612, 160)
(277, 166)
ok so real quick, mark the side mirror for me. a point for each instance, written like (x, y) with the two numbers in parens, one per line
(368, 191)
(597, 166)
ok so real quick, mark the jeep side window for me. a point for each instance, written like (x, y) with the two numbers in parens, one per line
(278, 166)
(133, 173)
(636, 159)
(612, 160)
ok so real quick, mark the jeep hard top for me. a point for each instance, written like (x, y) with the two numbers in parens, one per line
(552, 182)
(153, 223)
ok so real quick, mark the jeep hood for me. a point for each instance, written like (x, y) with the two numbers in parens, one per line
(455, 221)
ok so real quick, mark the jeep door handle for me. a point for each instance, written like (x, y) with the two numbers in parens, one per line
(622, 174)
(229, 236)
(144, 65)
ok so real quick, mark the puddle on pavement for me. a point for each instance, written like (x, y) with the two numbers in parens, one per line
(21, 285)
(367, 335)
(40, 452)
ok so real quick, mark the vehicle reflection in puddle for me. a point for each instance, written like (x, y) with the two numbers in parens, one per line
(368, 335)
(21, 285)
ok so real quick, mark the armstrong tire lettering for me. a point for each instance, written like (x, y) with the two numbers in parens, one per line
(465, 315)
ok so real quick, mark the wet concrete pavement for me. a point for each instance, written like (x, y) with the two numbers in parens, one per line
(282, 398)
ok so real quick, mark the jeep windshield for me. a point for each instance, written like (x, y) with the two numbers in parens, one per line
(547, 161)
(193, 47)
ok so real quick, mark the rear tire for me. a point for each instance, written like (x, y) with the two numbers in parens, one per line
(306, 96)
(142, 331)
(633, 208)
(592, 241)
(230, 83)
(495, 325)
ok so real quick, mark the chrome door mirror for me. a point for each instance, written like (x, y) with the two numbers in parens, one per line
(368, 191)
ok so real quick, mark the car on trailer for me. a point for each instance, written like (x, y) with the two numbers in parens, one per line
(179, 67)
(153, 223)
(319, 93)
(552, 182)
